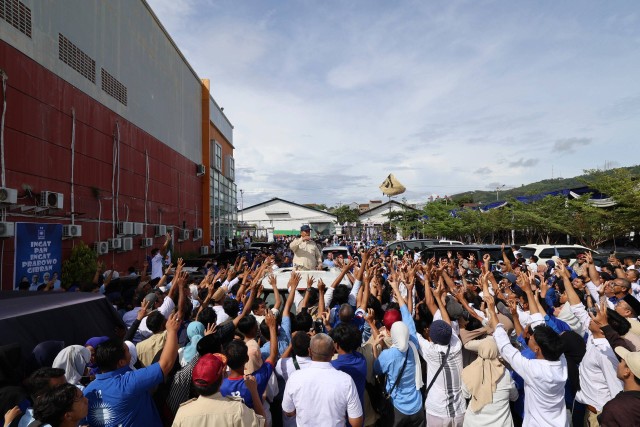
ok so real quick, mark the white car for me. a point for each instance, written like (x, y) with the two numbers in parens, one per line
(283, 275)
(547, 252)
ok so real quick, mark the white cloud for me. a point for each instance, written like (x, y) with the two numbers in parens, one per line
(440, 94)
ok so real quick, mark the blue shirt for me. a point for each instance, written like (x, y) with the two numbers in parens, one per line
(284, 337)
(122, 398)
(355, 365)
(235, 386)
(406, 398)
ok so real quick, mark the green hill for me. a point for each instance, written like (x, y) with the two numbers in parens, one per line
(484, 197)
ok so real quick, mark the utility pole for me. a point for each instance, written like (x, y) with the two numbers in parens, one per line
(242, 206)
(498, 188)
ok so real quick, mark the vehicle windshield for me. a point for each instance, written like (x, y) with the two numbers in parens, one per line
(527, 252)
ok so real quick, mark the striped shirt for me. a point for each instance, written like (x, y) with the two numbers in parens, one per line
(445, 397)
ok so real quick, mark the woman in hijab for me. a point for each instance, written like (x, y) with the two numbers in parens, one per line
(195, 332)
(490, 387)
(91, 345)
(73, 360)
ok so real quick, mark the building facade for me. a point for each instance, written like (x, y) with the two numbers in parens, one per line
(278, 217)
(106, 124)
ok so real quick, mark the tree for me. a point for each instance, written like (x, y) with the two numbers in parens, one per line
(346, 214)
(80, 267)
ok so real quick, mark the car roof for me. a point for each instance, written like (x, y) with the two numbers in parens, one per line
(536, 246)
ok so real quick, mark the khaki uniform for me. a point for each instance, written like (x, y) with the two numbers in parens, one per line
(216, 411)
(306, 255)
(147, 349)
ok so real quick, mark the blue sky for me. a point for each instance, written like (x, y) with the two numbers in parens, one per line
(329, 97)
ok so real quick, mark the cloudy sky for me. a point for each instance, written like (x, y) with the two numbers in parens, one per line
(328, 97)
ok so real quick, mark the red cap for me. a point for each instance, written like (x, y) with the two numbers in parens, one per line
(391, 317)
(208, 369)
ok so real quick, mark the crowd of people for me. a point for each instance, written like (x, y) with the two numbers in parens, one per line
(394, 340)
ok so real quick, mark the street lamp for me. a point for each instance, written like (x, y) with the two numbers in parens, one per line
(498, 188)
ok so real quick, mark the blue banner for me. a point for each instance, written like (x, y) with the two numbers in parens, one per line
(38, 253)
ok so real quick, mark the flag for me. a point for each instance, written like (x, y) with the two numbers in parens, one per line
(391, 186)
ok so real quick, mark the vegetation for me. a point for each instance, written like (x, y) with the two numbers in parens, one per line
(548, 220)
(80, 267)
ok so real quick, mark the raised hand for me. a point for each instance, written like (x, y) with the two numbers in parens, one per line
(588, 256)
(524, 282)
(321, 286)
(513, 307)
(211, 328)
(144, 309)
(273, 281)
(174, 322)
(310, 281)
(270, 320)
(294, 280)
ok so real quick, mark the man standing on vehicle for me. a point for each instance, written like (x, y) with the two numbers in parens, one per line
(306, 255)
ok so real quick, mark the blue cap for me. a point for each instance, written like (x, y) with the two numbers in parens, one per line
(305, 228)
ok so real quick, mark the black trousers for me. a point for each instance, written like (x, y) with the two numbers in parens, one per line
(416, 420)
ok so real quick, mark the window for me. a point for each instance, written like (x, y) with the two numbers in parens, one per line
(547, 253)
(231, 168)
(217, 159)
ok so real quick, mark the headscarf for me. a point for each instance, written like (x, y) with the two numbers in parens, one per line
(94, 342)
(134, 354)
(400, 340)
(73, 360)
(482, 375)
(44, 353)
(195, 332)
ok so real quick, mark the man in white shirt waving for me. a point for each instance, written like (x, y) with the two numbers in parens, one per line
(544, 377)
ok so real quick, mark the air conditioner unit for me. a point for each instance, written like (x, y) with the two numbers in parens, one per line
(101, 247)
(71, 231)
(138, 228)
(161, 230)
(8, 196)
(200, 170)
(125, 228)
(204, 250)
(183, 235)
(115, 243)
(127, 243)
(146, 242)
(197, 233)
(7, 229)
(52, 200)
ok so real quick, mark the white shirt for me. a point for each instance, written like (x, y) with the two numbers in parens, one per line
(445, 397)
(544, 383)
(166, 308)
(322, 396)
(284, 369)
(221, 316)
(598, 379)
(156, 266)
(497, 413)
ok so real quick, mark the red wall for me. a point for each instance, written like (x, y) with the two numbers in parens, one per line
(38, 154)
